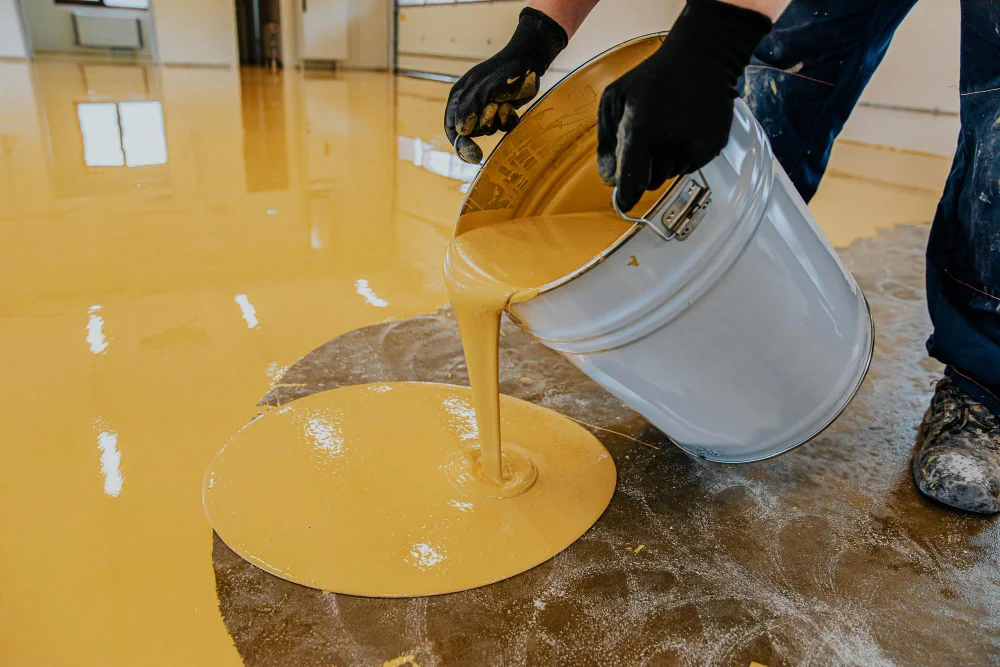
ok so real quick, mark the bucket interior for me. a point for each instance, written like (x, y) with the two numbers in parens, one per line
(548, 164)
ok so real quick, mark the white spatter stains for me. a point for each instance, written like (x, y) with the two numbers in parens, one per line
(962, 467)
(274, 372)
(324, 431)
(425, 556)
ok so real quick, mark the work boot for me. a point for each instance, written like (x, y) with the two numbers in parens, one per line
(958, 460)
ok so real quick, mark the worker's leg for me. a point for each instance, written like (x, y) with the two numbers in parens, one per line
(805, 79)
(807, 75)
(963, 256)
(963, 265)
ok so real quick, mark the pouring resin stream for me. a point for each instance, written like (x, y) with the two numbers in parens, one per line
(405, 488)
(489, 268)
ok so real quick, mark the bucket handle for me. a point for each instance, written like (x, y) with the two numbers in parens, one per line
(679, 209)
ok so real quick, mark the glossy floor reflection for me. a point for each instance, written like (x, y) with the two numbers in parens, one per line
(172, 240)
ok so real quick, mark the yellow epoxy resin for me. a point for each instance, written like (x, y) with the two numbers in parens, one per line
(375, 490)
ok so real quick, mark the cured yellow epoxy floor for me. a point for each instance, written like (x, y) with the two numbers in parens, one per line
(171, 240)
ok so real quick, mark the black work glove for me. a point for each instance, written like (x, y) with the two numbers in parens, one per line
(671, 114)
(483, 101)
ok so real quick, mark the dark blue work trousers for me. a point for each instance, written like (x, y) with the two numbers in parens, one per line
(805, 79)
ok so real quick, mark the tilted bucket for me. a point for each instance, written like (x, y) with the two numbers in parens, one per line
(723, 315)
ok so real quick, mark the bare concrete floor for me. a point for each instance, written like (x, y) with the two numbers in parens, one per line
(826, 555)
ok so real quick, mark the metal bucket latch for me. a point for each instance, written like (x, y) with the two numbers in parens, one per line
(681, 208)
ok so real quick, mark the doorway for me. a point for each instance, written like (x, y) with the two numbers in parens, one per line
(258, 30)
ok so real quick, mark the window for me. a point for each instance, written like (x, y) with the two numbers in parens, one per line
(127, 134)
(123, 4)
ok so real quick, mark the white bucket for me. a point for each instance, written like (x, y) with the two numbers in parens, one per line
(741, 337)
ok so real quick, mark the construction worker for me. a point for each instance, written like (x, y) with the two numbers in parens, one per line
(803, 66)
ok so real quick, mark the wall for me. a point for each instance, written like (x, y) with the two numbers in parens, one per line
(920, 69)
(12, 41)
(612, 22)
(450, 38)
(290, 21)
(919, 72)
(51, 26)
(368, 34)
(196, 32)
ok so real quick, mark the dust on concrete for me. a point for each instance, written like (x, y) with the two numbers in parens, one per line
(825, 555)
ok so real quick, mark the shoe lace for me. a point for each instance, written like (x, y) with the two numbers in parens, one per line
(964, 412)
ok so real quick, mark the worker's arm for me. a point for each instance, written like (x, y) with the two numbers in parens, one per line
(567, 13)
(484, 100)
(671, 114)
(772, 9)
(571, 13)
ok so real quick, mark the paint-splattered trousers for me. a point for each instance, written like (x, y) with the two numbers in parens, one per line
(805, 79)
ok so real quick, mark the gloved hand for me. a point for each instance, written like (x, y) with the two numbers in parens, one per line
(671, 114)
(483, 101)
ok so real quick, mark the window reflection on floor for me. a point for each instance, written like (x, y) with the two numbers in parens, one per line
(125, 134)
(437, 161)
(265, 142)
(102, 145)
(143, 138)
